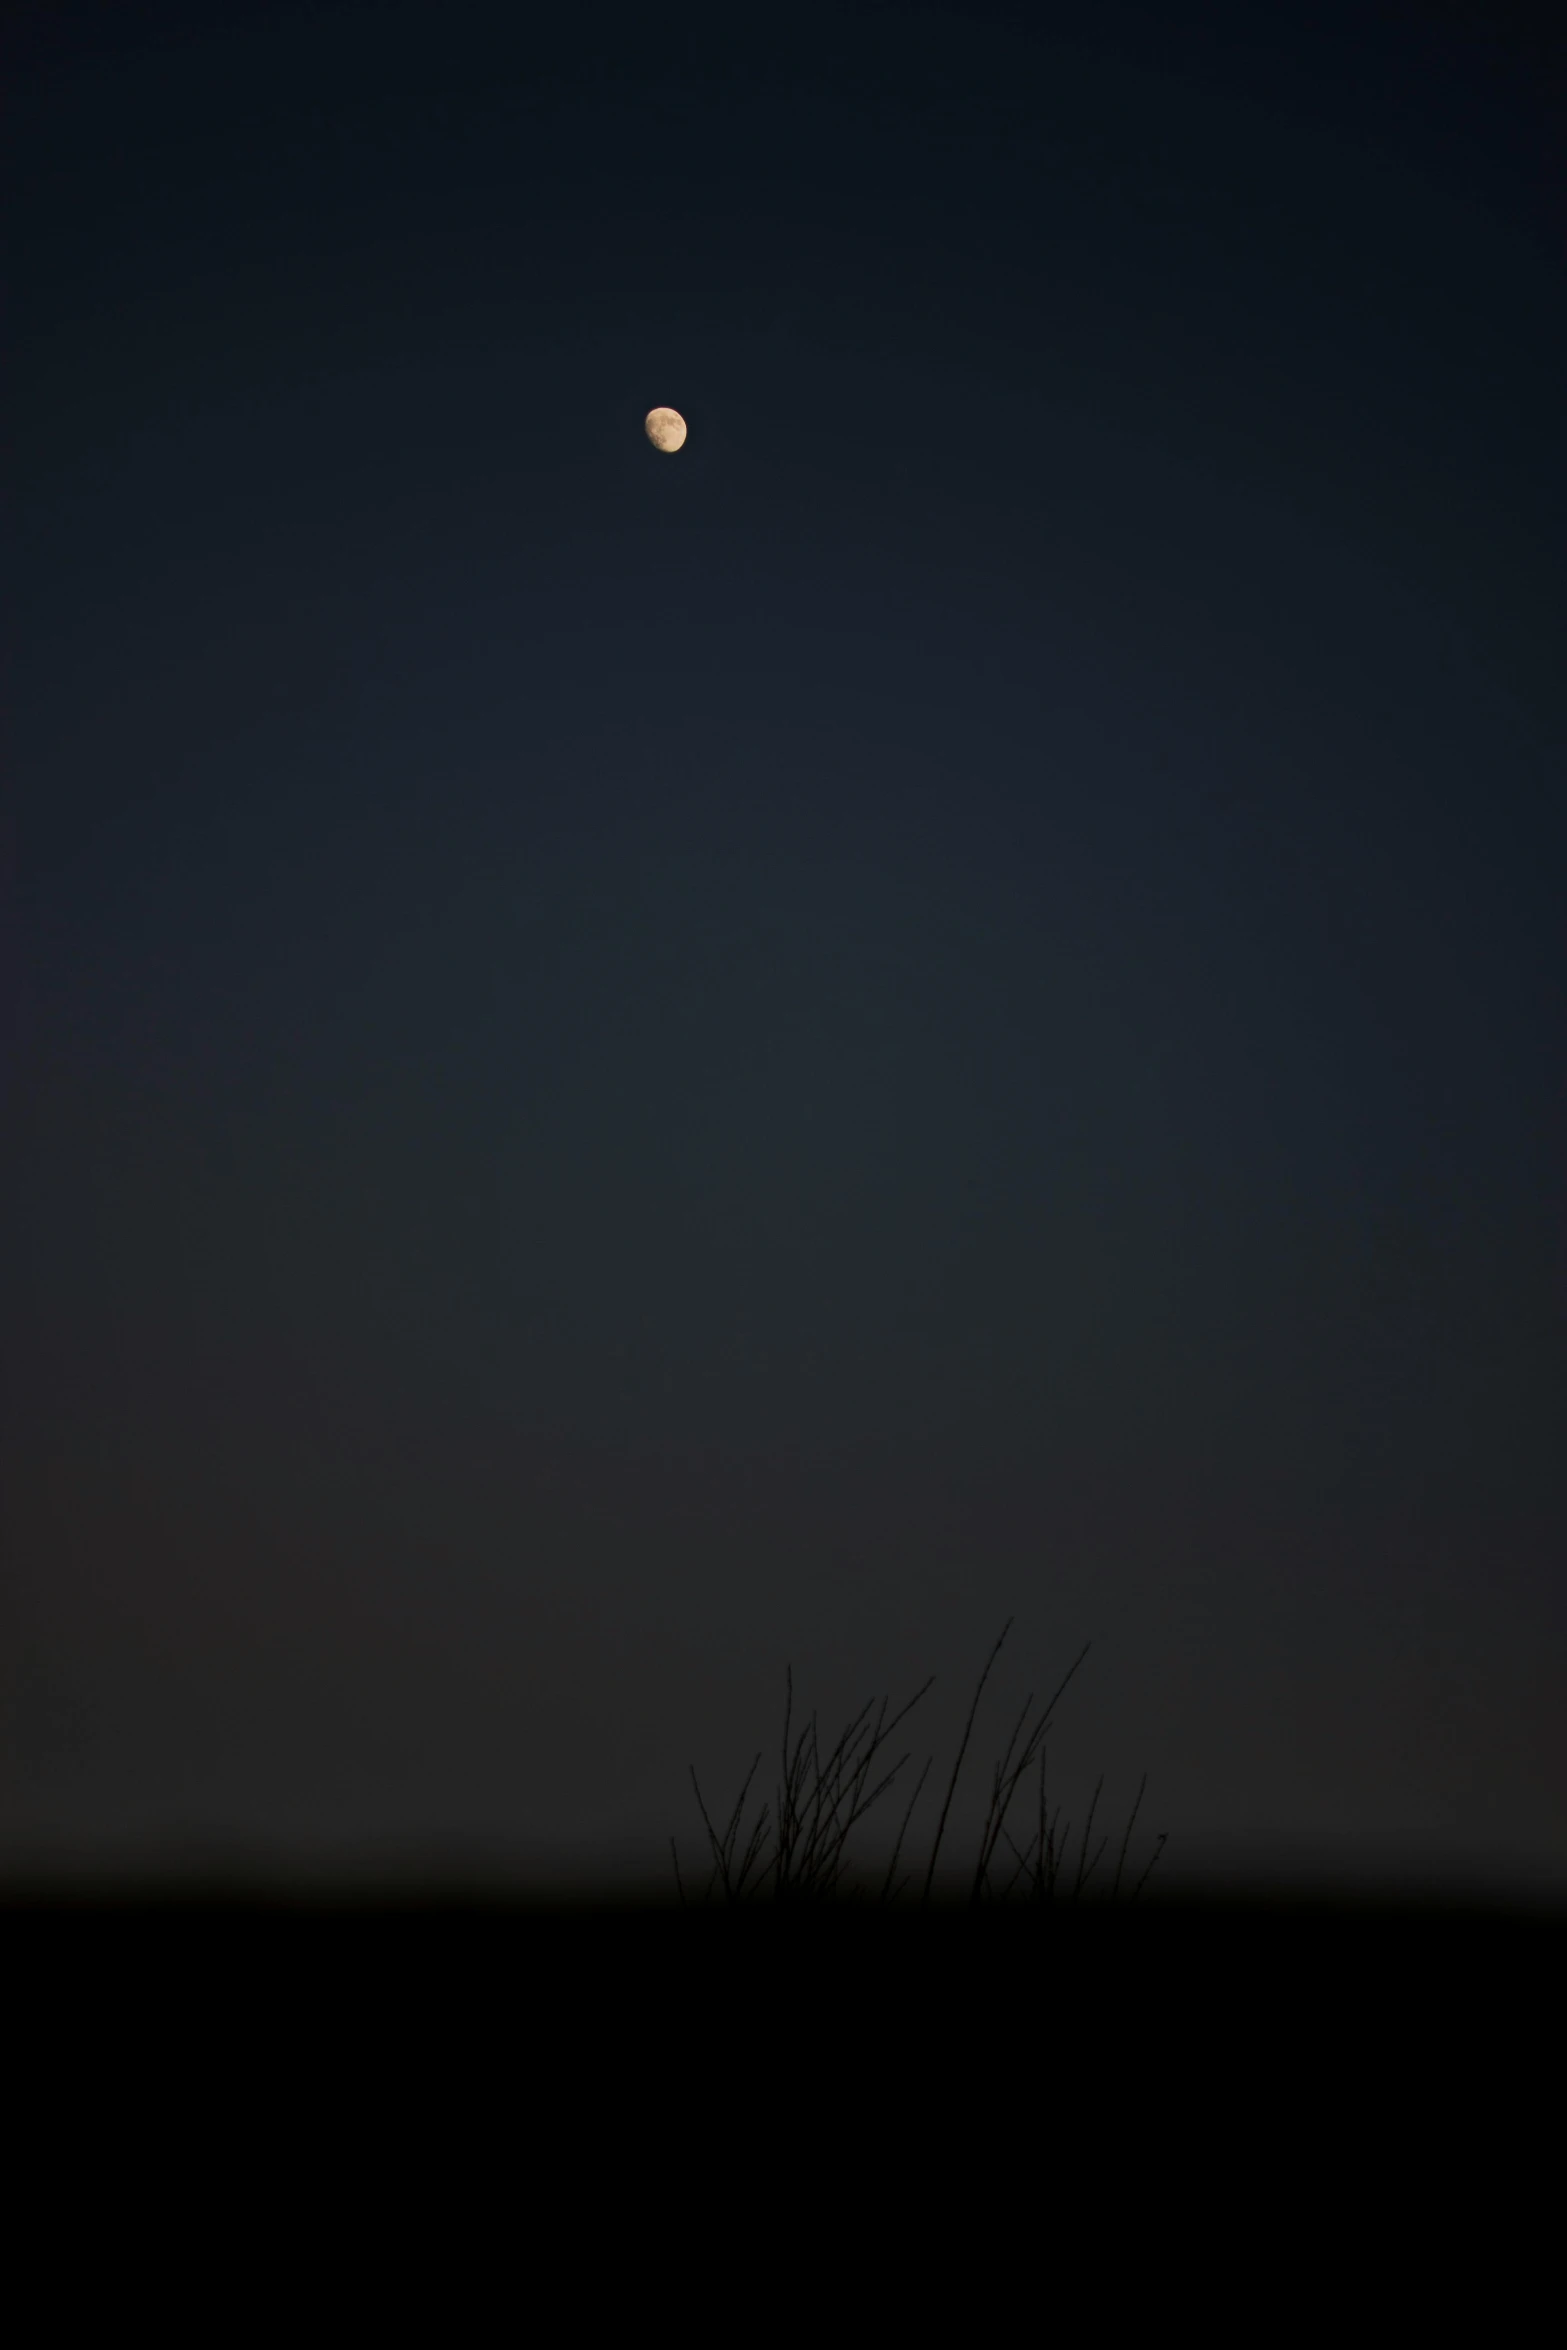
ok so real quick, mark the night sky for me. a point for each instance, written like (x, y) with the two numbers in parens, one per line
(622, 1070)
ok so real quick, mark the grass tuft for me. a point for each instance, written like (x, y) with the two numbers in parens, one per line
(812, 1822)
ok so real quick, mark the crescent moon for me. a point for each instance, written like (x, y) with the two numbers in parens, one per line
(665, 428)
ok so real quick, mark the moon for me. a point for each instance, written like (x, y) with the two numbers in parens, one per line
(666, 429)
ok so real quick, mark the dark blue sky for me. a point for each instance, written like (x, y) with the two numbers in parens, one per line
(949, 1005)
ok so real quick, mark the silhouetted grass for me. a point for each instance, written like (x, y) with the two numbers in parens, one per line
(807, 1863)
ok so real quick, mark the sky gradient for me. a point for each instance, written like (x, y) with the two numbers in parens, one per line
(623, 1069)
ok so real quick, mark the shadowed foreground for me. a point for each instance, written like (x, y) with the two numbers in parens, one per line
(782, 1966)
